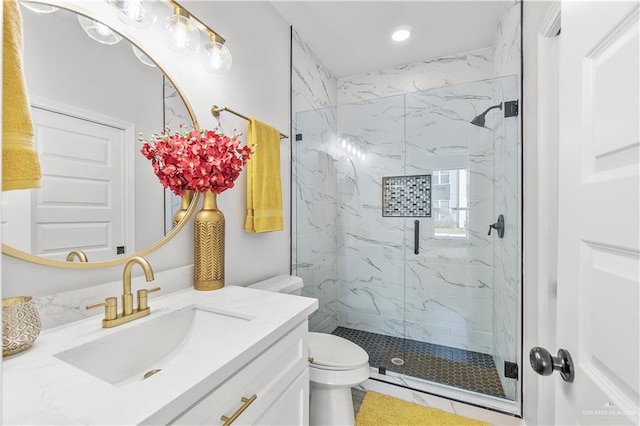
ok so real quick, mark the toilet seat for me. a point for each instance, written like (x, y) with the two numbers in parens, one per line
(335, 353)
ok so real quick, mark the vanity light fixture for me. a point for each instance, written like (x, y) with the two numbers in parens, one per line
(181, 34)
(218, 58)
(401, 33)
(98, 31)
(39, 8)
(142, 57)
(136, 13)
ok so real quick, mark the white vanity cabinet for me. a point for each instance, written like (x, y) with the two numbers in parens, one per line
(231, 351)
(272, 389)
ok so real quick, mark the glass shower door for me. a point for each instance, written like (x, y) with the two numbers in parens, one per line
(460, 324)
(371, 256)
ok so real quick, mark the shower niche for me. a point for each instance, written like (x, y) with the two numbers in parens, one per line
(406, 196)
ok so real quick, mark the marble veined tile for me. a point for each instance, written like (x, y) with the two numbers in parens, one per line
(453, 337)
(438, 279)
(175, 111)
(371, 323)
(387, 302)
(450, 311)
(506, 51)
(377, 272)
(418, 76)
(313, 85)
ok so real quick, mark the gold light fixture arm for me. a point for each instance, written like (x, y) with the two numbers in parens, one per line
(180, 10)
(216, 110)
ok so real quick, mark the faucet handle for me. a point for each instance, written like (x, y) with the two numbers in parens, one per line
(110, 307)
(143, 297)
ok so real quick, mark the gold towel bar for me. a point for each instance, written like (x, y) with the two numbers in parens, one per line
(216, 110)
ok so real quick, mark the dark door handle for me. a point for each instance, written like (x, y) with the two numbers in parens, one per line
(416, 236)
(544, 363)
(498, 226)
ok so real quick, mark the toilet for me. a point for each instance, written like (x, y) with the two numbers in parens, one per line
(335, 365)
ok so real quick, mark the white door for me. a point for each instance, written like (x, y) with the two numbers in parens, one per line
(80, 204)
(598, 262)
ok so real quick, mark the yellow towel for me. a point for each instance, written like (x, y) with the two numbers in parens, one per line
(20, 165)
(264, 189)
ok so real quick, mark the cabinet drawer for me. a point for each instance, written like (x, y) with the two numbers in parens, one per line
(266, 377)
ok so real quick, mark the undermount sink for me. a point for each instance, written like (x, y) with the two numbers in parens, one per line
(129, 354)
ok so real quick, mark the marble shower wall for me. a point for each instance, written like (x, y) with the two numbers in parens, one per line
(428, 74)
(443, 295)
(314, 168)
(506, 258)
(507, 199)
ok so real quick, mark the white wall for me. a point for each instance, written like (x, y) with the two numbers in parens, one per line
(258, 85)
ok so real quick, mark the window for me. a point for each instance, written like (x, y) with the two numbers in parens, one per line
(449, 195)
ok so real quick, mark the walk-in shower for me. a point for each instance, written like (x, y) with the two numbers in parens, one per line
(406, 215)
(392, 211)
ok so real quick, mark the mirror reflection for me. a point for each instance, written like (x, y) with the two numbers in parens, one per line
(89, 103)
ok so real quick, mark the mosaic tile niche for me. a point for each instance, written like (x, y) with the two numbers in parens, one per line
(406, 196)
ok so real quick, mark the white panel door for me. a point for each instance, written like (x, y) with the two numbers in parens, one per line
(80, 204)
(598, 262)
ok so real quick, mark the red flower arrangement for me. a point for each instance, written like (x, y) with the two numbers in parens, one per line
(200, 160)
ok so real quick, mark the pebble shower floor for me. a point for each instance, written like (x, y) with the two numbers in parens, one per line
(463, 369)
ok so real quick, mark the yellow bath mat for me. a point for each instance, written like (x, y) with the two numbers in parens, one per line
(383, 410)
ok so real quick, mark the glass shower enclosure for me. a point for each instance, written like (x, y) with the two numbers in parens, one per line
(407, 228)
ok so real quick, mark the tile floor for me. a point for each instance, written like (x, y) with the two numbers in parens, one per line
(463, 369)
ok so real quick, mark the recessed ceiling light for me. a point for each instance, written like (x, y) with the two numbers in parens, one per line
(401, 33)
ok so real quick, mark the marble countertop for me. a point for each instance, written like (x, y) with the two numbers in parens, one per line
(39, 388)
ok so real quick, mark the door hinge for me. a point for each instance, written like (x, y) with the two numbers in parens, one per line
(510, 370)
(511, 109)
(120, 250)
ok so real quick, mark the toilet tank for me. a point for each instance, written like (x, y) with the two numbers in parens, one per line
(282, 284)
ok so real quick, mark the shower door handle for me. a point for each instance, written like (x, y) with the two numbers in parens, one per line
(416, 236)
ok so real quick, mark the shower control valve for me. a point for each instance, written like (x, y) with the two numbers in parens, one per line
(498, 226)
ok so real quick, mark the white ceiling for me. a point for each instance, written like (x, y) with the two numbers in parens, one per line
(353, 37)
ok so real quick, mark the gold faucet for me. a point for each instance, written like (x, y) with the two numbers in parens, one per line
(77, 253)
(111, 316)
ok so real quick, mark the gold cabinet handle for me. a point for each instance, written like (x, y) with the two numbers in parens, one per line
(246, 402)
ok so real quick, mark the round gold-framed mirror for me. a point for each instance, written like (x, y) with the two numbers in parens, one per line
(90, 101)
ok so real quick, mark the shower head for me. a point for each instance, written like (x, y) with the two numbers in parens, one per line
(479, 120)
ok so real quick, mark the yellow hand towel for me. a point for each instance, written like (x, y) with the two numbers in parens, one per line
(20, 165)
(264, 188)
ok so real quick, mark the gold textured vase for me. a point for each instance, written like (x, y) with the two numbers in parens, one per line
(185, 202)
(209, 245)
(20, 324)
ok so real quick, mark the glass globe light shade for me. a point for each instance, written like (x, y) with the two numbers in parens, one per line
(218, 59)
(136, 13)
(182, 35)
(142, 57)
(98, 31)
(39, 8)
